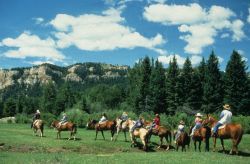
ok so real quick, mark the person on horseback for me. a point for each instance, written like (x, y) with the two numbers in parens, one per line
(124, 117)
(225, 118)
(36, 116)
(198, 123)
(180, 130)
(156, 122)
(63, 120)
(138, 124)
(103, 118)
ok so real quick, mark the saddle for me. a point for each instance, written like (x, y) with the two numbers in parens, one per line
(64, 123)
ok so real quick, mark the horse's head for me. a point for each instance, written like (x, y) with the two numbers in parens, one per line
(54, 124)
(91, 124)
(209, 120)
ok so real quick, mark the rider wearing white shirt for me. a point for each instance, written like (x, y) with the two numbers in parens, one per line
(225, 118)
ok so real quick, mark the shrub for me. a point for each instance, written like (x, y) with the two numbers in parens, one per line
(23, 118)
(244, 121)
(77, 116)
(48, 118)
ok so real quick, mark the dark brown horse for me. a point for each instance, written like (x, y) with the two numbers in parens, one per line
(201, 134)
(230, 131)
(68, 126)
(107, 125)
(91, 124)
(38, 125)
(182, 141)
(162, 132)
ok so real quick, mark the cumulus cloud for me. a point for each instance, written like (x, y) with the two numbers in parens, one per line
(225, 35)
(106, 31)
(28, 45)
(199, 26)
(41, 62)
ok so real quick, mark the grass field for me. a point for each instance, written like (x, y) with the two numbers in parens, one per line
(20, 146)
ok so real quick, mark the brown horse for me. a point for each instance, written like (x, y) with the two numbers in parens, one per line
(68, 126)
(230, 131)
(38, 125)
(107, 125)
(182, 141)
(121, 126)
(91, 124)
(141, 133)
(201, 134)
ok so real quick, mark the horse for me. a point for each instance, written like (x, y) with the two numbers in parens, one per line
(68, 126)
(91, 124)
(141, 133)
(162, 132)
(107, 125)
(230, 131)
(182, 140)
(121, 126)
(201, 134)
(38, 125)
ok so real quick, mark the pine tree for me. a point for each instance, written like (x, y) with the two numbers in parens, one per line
(172, 98)
(144, 92)
(187, 73)
(49, 98)
(236, 85)
(158, 88)
(213, 91)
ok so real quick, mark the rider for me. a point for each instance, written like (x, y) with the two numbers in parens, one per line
(225, 118)
(124, 117)
(138, 124)
(180, 129)
(36, 116)
(156, 122)
(198, 123)
(103, 118)
(63, 120)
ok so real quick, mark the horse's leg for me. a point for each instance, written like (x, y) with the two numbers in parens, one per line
(125, 136)
(214, 139)
(102, 135)
(70, 135)
(234, 147)
(112, 134)
(222, 144)
(194, 145)
(161, 140)
(96, 132)
(200, 145)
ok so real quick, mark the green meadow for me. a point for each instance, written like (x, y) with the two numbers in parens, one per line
(18, 145)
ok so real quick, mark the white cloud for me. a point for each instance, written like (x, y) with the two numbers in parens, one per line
(100, 32)
(199, 25)
(28, 45)
(174, 14)
(242, 53)
(237, 26)
(195, 59)
(220, 59)
(248, 18)
(166, 59)
(38, 20)
(156, 1)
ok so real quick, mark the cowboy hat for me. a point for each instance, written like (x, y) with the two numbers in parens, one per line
(198, 115)
(37, 111)
(182, 122)
(124, 113)
(226, 106)
(157, 114)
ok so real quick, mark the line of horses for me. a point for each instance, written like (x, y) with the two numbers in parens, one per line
(230, 131)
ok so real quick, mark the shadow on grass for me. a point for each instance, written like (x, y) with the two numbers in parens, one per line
(241, 153)
(72, 139)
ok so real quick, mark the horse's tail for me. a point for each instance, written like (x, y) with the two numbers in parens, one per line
(74, 128)
(240, 134)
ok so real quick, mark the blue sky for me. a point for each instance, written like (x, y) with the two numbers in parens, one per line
(65, 32)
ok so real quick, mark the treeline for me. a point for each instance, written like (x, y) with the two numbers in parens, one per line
(147, 88)
(203, 88)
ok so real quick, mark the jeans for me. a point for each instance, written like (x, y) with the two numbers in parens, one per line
(216, 127)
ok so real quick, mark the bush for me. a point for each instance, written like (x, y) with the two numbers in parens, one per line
(244, 121)
(23, 118)
(77, 116)
(48, 118)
